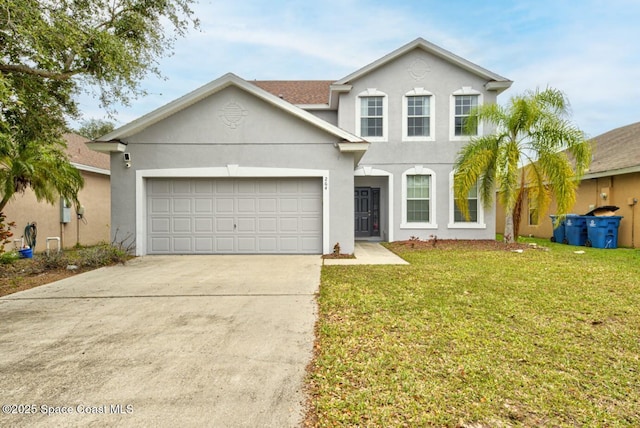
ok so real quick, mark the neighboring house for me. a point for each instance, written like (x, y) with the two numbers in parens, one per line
(297, 167)
(612, 179)
(53, 220)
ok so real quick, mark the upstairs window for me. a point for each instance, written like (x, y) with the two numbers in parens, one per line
(464, 104)
(371, 117)
(418, 113)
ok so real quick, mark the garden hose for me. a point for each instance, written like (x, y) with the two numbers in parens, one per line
(30, 233)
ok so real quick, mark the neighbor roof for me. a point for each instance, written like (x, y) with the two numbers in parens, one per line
(301, 92)
(616, 151)
(81, 156)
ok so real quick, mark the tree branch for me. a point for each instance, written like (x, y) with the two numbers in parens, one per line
(24, 69)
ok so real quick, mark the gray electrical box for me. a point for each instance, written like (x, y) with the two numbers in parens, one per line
(65, 211)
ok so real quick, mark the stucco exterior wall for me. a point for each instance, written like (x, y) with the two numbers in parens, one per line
(265, 137)
(396, 156)
(620, 190)
(95, 197)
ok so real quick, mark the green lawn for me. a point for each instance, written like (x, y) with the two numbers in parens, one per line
(479, 338)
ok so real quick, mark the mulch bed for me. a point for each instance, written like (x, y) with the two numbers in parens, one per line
(456, 244)
(24, 274)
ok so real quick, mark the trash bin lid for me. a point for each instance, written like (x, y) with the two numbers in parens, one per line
(604, 210)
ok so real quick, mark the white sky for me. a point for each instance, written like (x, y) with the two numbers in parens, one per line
(589, 49)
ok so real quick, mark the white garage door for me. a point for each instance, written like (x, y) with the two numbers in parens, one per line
(221, 215)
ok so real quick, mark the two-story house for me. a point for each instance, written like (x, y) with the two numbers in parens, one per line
(242, 166)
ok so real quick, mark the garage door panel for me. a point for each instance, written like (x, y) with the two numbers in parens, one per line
(204, 206)
(224, 205)
(289, 243)
(288, 224)
(246, 205)
(224, 244)
(310, 205)
(182, 244)
(267, 225)
(247, 244)
(181, 205)
(158, 187)
(160, 205)
(310, 224)
(204, 225)
(267, 205)
(203, 186)
(288, 187)
(160, 244)
(308, 243)
(204, 244)
(247, 225)
(289, 205)
(224, 187)
(267, 244)
(234, 215)
(160, 225)
(181, 187)
(181, 225)
(224, 225)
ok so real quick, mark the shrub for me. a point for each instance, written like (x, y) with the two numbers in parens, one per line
(9, 257)
(5, 232)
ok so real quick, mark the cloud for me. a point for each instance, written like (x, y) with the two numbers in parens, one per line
(588, 51)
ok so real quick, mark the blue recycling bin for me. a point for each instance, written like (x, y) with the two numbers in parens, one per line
(602, 232)
(575, 230)
(559, 234)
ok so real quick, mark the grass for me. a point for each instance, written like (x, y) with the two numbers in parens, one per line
(466, 337)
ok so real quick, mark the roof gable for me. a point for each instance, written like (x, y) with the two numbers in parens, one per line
(495, 81)
(214, 87)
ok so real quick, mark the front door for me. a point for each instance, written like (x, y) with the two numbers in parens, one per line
(367, 211)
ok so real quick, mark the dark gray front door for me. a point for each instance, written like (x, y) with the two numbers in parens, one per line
(367, 211)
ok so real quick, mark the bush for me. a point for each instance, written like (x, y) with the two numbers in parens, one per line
(5, 232)
(100, 255)
(9, 257)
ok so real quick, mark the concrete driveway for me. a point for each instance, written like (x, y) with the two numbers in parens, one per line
(163, 341)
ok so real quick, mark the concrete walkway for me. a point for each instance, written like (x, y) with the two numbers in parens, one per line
(369, 253)
(163, 341)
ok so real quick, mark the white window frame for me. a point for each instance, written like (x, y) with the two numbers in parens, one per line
(465, 90)
(419, 170)
(373, 92)
(418, 92)
(479, 224)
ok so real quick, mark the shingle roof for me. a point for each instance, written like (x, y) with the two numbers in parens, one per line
(616, 149)
(297, 91)
(79, 153)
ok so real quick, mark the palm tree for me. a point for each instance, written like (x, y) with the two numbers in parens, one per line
(533, 130)
(42, 166)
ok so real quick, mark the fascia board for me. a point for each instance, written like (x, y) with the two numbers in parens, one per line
(621, 171)
(106, 146)
(90, 168)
